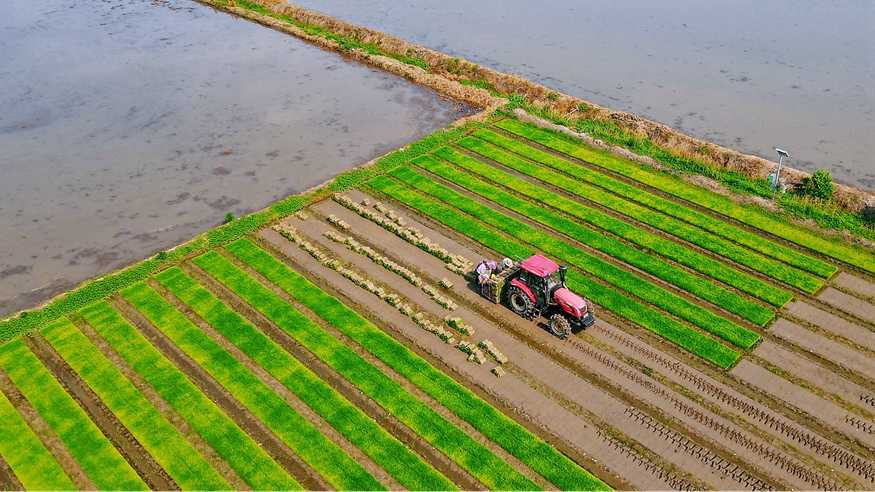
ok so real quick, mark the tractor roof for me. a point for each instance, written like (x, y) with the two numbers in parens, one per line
(539, 265)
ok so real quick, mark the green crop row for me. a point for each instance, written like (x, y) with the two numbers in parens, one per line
(472, 456)
(669, 216)
(494, 425)
(700, 196)
(701, 287)
(249, 461)
(673, 331)
(31, 462)
(100, 461)
(160, 439)
(355, 425)
(308, 442)
(586, 262)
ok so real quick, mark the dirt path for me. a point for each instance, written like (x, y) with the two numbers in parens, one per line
(616, 375)
(852, 305)
(141, 461)
(217, 393)
(803, 399)
(856, 284)
(8, 480)
(46, 434)
(816, 374)
(830, 350)
(831, 323)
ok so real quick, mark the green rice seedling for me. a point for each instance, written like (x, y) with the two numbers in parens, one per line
(100, 461)
(748, 215)
(245, 456)
(396, 458)
(695, 342)
(472, 456)
(595, 266)
(302, 437)
(763, 255)
(32, 463)
(730, 301)
(537, 454)
(171, 450)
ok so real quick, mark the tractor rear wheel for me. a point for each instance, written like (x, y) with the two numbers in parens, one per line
(559, 326)
(520, 302)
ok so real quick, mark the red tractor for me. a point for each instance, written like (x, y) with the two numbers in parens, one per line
(535, 287)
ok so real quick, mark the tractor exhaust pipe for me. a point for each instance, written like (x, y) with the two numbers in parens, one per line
(562, 271)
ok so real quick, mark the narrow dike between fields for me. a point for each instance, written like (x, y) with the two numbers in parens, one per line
(329, 207)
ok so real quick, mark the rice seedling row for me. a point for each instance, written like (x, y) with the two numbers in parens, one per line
(163, 441)
(324, 456)
(515, 439)
(697, 195)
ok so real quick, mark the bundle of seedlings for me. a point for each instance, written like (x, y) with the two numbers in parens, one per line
(474, 354)
(337, 221)
(493, 352)
(443, 301)
(422, 320)
(446, 283)
(498, 371)
(455, 263)
(376, 257)
(459, 325)
(292, 235)
(300, 214)
(391, 214)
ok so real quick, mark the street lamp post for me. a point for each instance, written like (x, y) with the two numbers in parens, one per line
(776, 182)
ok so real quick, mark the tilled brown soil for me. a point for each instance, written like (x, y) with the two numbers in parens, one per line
(838, 353)
(227, 403)
(8, 480)
(855, 306)
(855, 284)
(832, 323)
(141, 461)
(620, 380)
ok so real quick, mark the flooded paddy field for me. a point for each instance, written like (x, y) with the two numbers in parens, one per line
(127, 127)
(747, 75)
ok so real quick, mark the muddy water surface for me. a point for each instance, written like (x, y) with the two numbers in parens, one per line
(748, 74)
(128, 126)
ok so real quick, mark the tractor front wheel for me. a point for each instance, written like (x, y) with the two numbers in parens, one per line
(520, 302)
(559, 326)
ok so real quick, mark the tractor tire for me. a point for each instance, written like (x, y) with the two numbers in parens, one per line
(520, 303)
(559, 326)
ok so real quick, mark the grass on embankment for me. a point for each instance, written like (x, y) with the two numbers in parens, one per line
(100, 461)
(585, 262)
(748, 215)
(701, 287)
(237, 449)
(159, 438)
(302, 437)
(681, 335)
(763, 255)
(536, 453)
(362, 431)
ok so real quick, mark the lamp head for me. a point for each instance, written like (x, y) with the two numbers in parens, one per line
(782, 153)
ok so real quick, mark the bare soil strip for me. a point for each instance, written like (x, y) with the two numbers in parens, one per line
(48, 436)
(618, 376)
(803, 399)
(854, 283)
(833, 324)
(8, 480)
(350, 392)
(551, 377)
(142, 462)
(290, 398)
(803, 368)
(218, 394)
(838, 353)
(857, 307)
(755, 414)
(172, 416)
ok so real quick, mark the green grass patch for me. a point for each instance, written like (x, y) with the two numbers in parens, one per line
(701, 287)
(479, 461)
(248, 459)
(105, 286)
(614, 275)
(539, 455)
(100, 461)
(314, 448)
(403, 464)
(169, 448)
(751, 216)
(32, 463)
(661, 213)
(691, 340)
